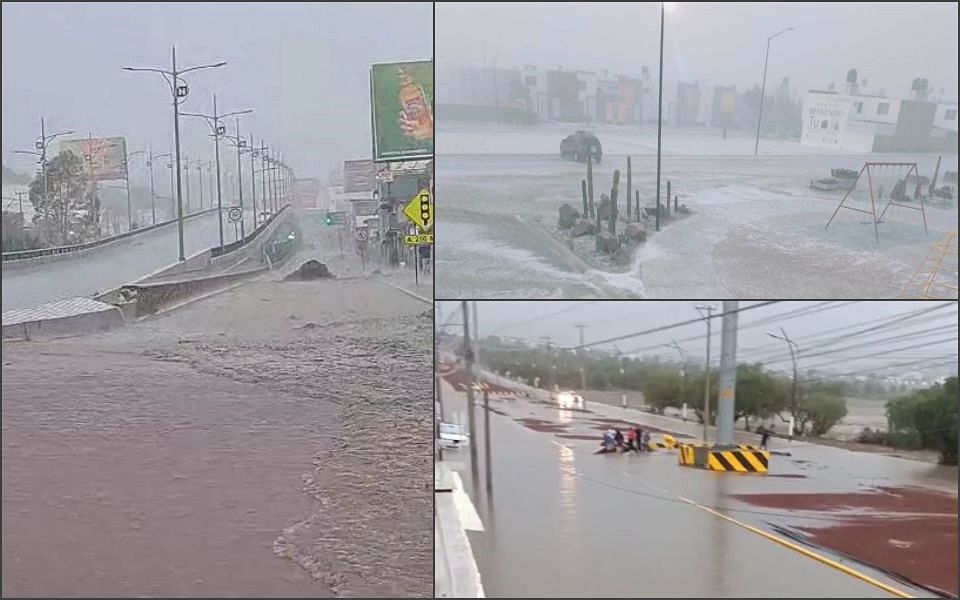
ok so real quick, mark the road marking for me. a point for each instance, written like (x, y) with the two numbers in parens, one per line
(465, 509)
(805, 552)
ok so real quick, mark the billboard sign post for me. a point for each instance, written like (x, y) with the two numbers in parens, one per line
(401, 103)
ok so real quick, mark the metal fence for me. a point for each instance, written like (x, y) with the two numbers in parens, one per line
(25, 254)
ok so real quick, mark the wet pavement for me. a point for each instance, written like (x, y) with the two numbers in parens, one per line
(272, 440)
(563, 521)
(110, 266)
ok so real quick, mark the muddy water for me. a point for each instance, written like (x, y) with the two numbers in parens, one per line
(272, 441)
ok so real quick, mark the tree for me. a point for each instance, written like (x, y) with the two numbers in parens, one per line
(759, 393)
(929, 417)
(822, 406)
(67, 205)
(14, 236)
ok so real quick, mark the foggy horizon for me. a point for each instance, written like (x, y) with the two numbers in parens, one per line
(715, 43)
(302, 68)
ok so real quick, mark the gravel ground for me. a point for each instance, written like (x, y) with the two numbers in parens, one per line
(210, 451)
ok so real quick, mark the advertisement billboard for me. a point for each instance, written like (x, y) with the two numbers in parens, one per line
(359, 176)
(401, 103)
(825, 118)
(103, 158)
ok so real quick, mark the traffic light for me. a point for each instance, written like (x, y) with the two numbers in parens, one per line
(328, 220)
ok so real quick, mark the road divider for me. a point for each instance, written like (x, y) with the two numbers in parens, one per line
(741, 458)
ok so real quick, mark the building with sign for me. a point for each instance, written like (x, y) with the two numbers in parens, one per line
(855, 121)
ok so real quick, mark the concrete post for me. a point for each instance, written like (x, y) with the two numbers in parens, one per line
(728, 373)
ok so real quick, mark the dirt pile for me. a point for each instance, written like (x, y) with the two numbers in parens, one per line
(310, 270)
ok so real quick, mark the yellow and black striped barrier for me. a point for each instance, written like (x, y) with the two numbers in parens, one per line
(741, 461)
(741, 458)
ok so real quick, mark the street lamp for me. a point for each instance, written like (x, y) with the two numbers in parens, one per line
(40, 151)
(178, 91)
(663, 9)
(241, 145)
(763, 87)
(683, 366)
(126, 176)
(794, 349)
(153, 194)
(218, 130)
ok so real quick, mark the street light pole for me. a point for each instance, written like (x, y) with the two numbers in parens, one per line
(179, 92)
(200, 181)
(659, 115)
(793, 356)
(153, 193)
(240, 144)
(683, 367)
(763, 87)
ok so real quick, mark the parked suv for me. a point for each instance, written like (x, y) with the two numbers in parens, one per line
(580, 145)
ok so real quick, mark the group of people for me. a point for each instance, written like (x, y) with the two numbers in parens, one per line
(636, 439)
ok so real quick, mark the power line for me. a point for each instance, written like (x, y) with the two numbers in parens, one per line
(582, 304)
(672, 326)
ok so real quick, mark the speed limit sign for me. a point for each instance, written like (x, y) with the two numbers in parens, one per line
(234, 214)
(361, 235)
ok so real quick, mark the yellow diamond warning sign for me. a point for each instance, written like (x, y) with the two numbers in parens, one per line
(420, 211)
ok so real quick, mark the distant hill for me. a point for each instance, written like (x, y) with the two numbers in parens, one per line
(11, 177)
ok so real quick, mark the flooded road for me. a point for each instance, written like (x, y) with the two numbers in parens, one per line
(273, 440)
(564, 521)
(757, 229)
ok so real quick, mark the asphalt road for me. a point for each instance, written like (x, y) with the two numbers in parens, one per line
(562, 521)
(110, 266)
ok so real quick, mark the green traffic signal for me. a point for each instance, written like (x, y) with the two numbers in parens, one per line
(329, 221)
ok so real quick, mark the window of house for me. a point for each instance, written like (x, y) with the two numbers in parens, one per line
(883, 108)
(950, 114)
(531, 81)
(859, 107)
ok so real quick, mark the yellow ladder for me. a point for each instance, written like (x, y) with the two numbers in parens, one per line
(934, 279)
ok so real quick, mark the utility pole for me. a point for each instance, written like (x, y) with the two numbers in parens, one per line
(253, 180)
(583, 370)
(706, 392)
(683, 368)
(468, 371)
(793, 355)
(728, 373)
(550, 366)
(486, 442)
(153, 193)
(200, 181)
(476, 334)
(186, 169)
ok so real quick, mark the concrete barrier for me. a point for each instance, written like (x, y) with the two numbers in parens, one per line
(62, 318)
(151, 297)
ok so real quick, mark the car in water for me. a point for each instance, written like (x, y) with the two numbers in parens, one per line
(452, 436)
(580, 145)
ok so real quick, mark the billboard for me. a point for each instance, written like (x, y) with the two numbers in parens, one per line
(359, 176)
(401, 103)
(103, 158)
(825, 119)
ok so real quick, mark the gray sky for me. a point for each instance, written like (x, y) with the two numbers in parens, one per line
(808, 323)
(889, 44)
(303, 68)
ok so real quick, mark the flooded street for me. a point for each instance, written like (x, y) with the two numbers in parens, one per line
(564, 521)
(273, 440)
(757, 229)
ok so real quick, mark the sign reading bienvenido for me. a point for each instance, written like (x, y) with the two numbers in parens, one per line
(103, 158)
(401, 102)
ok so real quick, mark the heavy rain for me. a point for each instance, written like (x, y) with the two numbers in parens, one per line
(574, 166)
(821, 471)
(215, 331)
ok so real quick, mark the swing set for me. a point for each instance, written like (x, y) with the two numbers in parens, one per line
(883, 174)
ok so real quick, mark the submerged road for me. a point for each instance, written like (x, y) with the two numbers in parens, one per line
(107, 267)
(562, 521)
(272, 440)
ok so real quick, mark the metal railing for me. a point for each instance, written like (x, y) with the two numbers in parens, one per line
(25, 254)
(228, 248)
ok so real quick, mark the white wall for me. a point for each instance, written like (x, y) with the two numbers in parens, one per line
(939, 119)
